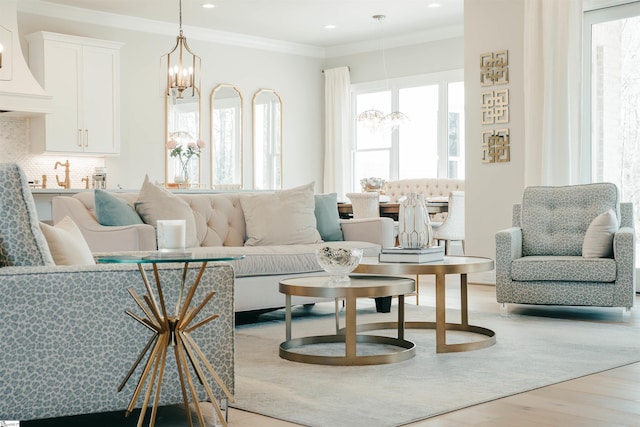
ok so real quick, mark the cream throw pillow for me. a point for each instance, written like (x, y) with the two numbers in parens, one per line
(282, 218)
(154, 203)
(66, 243)
(598, 240)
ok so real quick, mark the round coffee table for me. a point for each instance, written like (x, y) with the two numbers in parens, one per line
(358, 287)
(449, 265)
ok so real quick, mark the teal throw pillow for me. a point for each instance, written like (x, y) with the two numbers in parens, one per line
(327, 218)
(110, 210)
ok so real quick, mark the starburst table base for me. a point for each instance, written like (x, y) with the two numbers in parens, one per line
(172, 332)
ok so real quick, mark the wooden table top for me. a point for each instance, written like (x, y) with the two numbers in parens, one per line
(345, 210)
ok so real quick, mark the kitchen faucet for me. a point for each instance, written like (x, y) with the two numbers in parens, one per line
(67, 182)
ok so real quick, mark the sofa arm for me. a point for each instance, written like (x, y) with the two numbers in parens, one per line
(373, 230)
(508, 248)
(100, 238)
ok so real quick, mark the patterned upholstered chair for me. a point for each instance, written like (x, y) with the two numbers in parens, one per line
(539, 260)
(66, 341)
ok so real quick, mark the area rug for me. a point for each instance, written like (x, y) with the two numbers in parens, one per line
(530, 352)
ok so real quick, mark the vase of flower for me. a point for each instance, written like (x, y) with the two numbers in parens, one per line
(414, 225)
(182, 147)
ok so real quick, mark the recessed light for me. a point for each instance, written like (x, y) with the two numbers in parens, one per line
(434, 5)
(208, 5)
(330, 26)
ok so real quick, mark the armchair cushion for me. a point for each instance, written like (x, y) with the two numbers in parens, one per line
(327, 217)
(563, 268)
(67, 244)
(598, 240)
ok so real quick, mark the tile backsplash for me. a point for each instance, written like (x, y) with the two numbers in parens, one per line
(14, 147)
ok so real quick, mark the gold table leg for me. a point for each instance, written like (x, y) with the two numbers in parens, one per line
(172, 331)
(440, 325)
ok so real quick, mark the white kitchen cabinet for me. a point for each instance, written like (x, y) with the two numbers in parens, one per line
(83, 77)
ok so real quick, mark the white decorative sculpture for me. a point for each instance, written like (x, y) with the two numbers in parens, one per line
(414, 225)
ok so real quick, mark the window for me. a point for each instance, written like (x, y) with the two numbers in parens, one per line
(430, 145)
(611, 124)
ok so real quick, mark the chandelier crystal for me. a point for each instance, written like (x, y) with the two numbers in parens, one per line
(182, 68)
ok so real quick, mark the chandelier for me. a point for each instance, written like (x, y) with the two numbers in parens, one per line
(182, 67)
(374, 119)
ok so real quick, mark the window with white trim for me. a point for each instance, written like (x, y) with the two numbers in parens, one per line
(429, 145)
(611, 100)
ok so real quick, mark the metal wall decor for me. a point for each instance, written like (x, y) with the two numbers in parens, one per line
(495, 107)
(495, 146)
(494, 70)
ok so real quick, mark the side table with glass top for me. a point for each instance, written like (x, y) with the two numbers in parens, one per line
(171, 329)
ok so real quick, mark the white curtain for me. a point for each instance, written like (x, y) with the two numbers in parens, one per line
(337, 87)
(552, 91)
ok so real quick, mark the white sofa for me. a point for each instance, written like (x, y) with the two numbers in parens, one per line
(221, 229)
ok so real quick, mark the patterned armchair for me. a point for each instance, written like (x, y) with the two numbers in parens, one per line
(539, 259)
(66, 341)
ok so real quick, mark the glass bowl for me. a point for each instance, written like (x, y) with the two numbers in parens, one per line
(338, 262)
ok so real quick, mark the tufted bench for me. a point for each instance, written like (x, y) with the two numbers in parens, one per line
(431, 188)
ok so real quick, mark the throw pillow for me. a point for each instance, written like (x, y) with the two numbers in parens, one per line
(598, 240)
(327, 217)
(282, 218)
(154, 203)
(112, 211)
(66, 243)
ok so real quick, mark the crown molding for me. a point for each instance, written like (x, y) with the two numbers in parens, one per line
(58, 11)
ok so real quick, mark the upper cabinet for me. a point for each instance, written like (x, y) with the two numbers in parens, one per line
(83, 77)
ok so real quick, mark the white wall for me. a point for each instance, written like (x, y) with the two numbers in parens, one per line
(423, 58)
(298, 80)
(492, 189)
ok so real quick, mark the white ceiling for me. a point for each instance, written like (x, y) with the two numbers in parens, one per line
(294, 21)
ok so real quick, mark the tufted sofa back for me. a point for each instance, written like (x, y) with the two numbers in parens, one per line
(554, 220)
(219, 217)
(428, 187)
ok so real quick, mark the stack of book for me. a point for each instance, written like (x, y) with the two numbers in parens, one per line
(417, 255)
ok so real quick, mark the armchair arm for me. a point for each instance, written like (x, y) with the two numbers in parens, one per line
(508, 248)
(624, 252)
(68, 324)
(100, 238)
(373, 230)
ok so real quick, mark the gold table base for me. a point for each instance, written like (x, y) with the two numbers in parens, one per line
(172, 332)
(349, 337)
(442, 347)
(450, 265)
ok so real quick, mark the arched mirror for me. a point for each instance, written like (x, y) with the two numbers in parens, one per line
(226, 137)
(267, 140)
(183, 146)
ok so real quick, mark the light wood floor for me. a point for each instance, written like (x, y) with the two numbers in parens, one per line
(610, 398)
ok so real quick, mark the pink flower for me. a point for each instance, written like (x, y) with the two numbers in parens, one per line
(200, 143)
(192, 146)
(171, 144)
